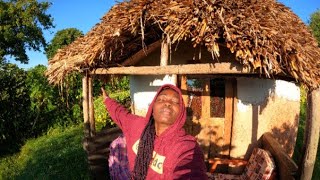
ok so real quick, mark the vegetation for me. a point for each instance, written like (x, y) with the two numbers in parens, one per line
(55, 155)
(315, 25)
(298, 152)
(61, 39)
(21, 26)
(14, 103)
(58, 153)
(102, 118)
(30, 105)
(41, 125)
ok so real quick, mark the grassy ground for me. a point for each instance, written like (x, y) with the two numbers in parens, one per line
(57, 155)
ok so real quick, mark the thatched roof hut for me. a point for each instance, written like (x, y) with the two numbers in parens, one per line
(264, 35)
(265, 39)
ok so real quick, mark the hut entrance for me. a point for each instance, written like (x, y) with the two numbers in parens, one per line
(209, 104)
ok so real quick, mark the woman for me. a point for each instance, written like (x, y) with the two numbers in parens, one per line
(157, 145)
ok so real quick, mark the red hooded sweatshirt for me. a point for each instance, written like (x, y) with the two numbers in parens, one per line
(177, 154)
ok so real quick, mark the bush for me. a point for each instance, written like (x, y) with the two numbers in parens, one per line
(102, 118)
(15, 122)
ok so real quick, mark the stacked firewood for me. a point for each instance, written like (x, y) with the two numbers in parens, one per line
(97, 149)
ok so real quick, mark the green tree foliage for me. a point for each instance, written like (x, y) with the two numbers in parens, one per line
(70, 94)
(14, 107)
(44, 106)
(71, 97)
(315, 25)
(62, 38)
(51, 105)
(21, 27)
(118, 88)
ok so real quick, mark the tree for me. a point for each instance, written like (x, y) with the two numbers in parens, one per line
(44, 107)
(70, 95)
(315, 25)
(21, 27)
(14, 111)
(61, 39)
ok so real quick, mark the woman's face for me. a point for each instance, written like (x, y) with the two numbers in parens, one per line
(166, 107)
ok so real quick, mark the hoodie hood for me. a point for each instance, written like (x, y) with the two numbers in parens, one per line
(181, 118)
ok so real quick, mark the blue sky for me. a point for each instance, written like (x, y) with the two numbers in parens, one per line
(84, 14)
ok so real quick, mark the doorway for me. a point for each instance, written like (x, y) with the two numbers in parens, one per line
(209, 102)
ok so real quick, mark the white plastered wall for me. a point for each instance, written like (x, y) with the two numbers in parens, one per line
(264, 105)
(144, 88)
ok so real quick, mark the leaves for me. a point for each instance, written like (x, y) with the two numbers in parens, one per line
(61, 39)
(315, 25)
(14, 106)
(21, 26)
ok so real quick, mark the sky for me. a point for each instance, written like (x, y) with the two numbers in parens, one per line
(84, 14)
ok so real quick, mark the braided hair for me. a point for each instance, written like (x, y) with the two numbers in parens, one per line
(145, 151)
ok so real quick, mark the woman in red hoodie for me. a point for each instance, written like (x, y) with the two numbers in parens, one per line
(157, 145)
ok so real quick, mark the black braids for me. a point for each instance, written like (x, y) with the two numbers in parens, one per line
(145, 151)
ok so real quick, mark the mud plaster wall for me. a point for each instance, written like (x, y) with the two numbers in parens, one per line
(144, 88)
(264, 106)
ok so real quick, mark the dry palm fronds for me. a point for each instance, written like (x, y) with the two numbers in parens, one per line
(263, 34)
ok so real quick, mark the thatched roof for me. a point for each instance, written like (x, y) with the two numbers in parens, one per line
(263, 34)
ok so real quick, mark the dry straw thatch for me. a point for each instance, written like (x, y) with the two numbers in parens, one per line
(263, 34)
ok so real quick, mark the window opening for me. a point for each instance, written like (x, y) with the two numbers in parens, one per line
(195, 89)
(217, 98)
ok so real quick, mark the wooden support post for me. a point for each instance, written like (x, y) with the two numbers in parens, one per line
(184, 89)
(85, 105)
(205, 110)
(230, 84)
(311, 135)
(91, 108)
(175, 79)
(164, 57)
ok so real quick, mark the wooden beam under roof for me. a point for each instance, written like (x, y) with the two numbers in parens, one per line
(141, 54)
(209, 68)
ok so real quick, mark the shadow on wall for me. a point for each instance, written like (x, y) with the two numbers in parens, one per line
(208, 138)
(286, 135)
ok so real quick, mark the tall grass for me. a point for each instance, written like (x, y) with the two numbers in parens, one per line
(56, 155)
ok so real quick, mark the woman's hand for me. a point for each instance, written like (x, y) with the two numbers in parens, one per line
(104, 94)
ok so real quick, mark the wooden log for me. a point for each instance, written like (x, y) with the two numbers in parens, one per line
(311, 135)
(164, 57)
(230, 84)
(91, 108)
(141, 54)
(184, 89)
(208, 68)
(99, 151)
(286, 167)
(85, 105)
